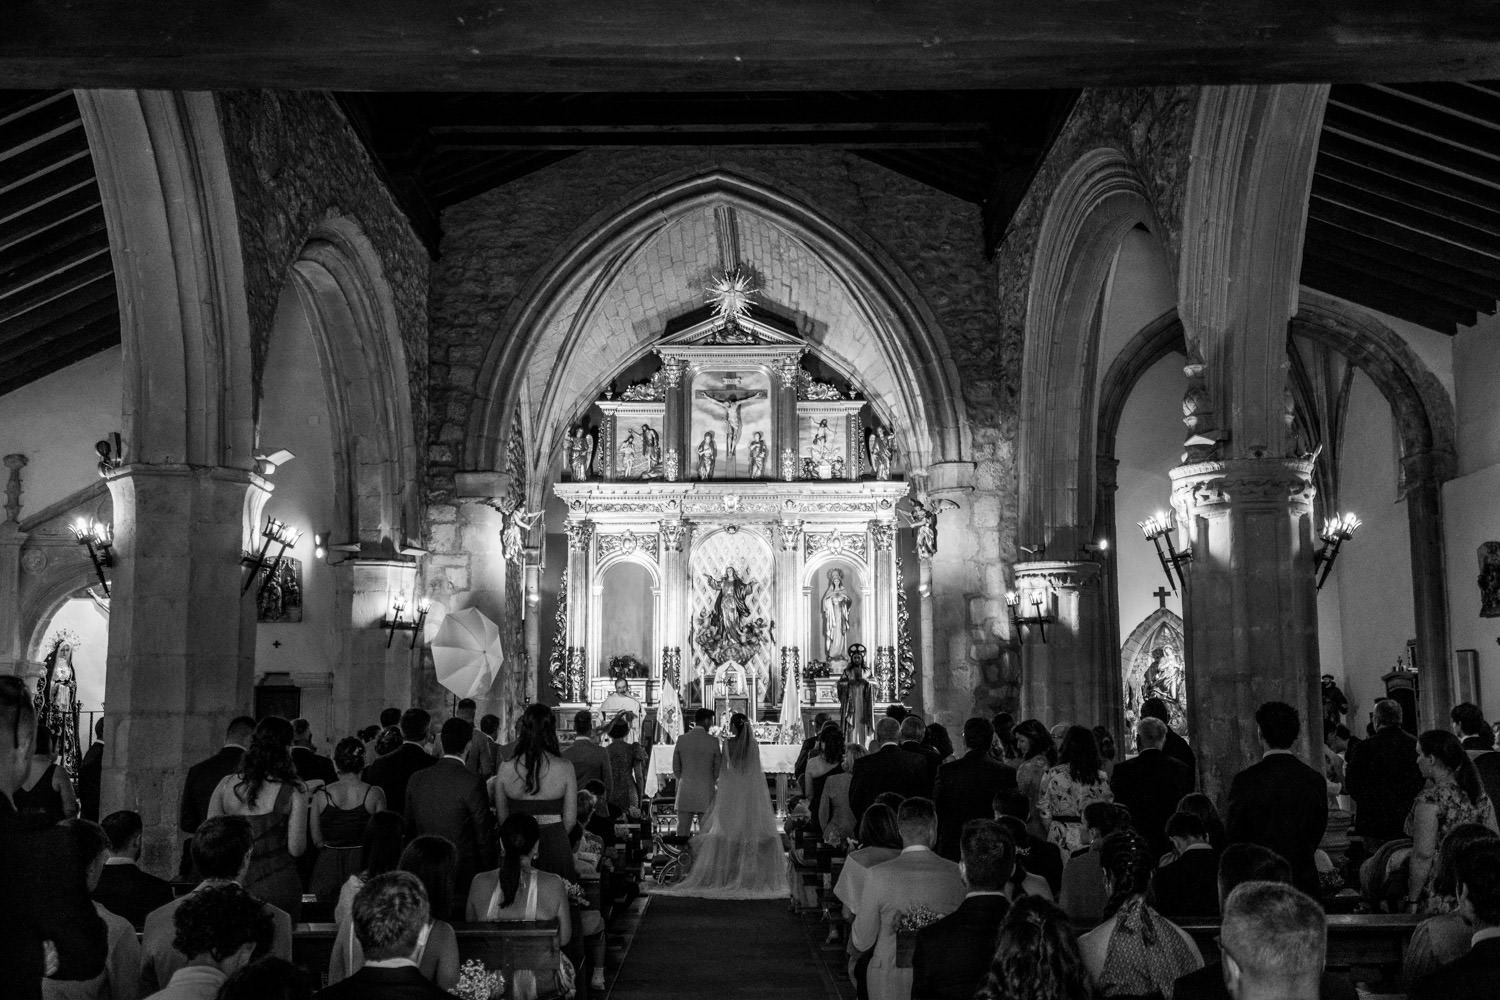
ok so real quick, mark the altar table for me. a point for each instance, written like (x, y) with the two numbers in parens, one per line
(779, 759)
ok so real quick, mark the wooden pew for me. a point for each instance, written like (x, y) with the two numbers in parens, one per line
(1375, 941)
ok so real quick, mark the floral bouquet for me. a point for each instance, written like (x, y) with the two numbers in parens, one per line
(908, 923)
(475, 982)
(577, 896)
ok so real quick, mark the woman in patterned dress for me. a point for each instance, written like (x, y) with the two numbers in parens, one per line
(1034, 744)
(1074, 783)
(1453, 796)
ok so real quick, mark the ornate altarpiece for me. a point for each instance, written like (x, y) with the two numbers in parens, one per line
(740, 484)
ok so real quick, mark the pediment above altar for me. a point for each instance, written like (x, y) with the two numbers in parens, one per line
(867, 500)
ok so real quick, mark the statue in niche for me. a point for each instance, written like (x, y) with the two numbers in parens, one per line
(923, 519)
(651, 450)
(758, 456)
(580, 451)
(730, 401)
(881, 447)
(856, 706)
(730, 607)
(56, 703)
(821, 450)
(836, 603)
(1163, 678)
(515, 521)
(708, 456)
(625, 456)
(725, 631)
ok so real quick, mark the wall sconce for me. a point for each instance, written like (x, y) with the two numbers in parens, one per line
(97, 537)
(1036, 618)
(1097, 551)
(1157, 528)
(274, 533)
(320, 544)
(395, 623)
(1336, 531)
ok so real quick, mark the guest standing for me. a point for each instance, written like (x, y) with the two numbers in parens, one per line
(311, 765)
(123, 888)
(878, 841)
(1280, 802)
(1479, 743)
(483, 755)
(1382, 778)
(1453, 796)
(1474, 975)
(627, 770)
(1037, 855)
(46, 796)
(90, 773)
(267, 792)
(379, 852)
(966, 787)
(1176, 747)
(338, 816)
(1445, 936)
(890, 769)
(119, 979)
(590, 760)
(393, 770)
(1038, 756)
(1083, 895)
(518, 891)
(1067, 788)
(218, 930)
(448, 800)
(201, 781)
(1189, 886)
(1240, 863)
(836, 819)
(829, 762)
(1151, 784)
(540, 781)
(1275, 942)
(953, 954)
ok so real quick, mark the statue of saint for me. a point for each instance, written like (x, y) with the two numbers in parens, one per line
(580, 453)
(651, 449)
(56, 704)
(821, 452)
(515, 521)
(730, 608)
(626, 454)
(856, 706)
(923, 518)
(758, 455)
(708, 455)
(1163, 678)
(730, 402)
(836, 604)
(881, 447)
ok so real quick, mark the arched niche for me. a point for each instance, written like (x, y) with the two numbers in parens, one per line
(627, 594)
(815, 587)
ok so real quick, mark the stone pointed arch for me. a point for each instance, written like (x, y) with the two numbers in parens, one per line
(908, 345)
(1096, 203)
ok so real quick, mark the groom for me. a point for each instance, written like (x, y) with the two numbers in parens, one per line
(695, 765)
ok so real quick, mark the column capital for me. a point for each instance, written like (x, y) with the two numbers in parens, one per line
(1056, 574)
(1203, 487)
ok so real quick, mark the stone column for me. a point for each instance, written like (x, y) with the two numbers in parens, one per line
(793, 628)
(672, 535)
(1062, 678)
(376, 675)
(1249, 606)
(531, 596)
(181, 636)
(11, 540)
(580, 602)
(1424, 514)
(886, 590)
(1108, 633)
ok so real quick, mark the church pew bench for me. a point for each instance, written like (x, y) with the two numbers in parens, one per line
(1355, 940)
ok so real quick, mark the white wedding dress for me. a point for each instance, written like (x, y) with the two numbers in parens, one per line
(737, 853)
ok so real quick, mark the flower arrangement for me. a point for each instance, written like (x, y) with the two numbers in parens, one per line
(919, 916)
(625, 666)
(577, 896)
(475, 982)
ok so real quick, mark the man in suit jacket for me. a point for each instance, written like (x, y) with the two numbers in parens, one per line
(90, 773)
(889, 769)
(123, 888)
(1274, 942)
(1151, 784)
(221, 854)
(914, 740)
(483, 753)
(1188, 886)
(917, 876)
(695, 765)
(449, 800)
(1175, 747)
(394, 770)
(221, 927)
(1382, 777)
(590, 762)
(1280, 802)
(954, 954)
(1240, 863)
(1478, 741)
(389, 913)
(311, 765)
(809, 745)
(198, 787)
(1476, 974)
(965, 788)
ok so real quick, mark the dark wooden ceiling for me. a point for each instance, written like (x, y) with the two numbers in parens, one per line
(1405, 209)
(57, 285)
(441, 149)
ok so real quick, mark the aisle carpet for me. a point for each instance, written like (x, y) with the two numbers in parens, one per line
(692, 948)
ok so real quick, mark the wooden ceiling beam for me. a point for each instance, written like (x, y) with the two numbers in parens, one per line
(1466, 99)
(36, 160)
(25, 273)
(1338, 242)
(1420, 118)
(80, 343)
(55, 298)
(45, 119)
(1334, 192)
(1372, 295)
(47, 191)
(66, 230)
(1394, 273)
(1401, 237)
(1407, 192)
(17, 339)
(714, 45)
(1476, 190)
(575, 141)
(1407, 141)
(46, 217)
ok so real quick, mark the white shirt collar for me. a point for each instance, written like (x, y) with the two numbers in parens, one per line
(985, 892)
(1273, 753)
(392, 963)
(916, 847)
(1484, 934)
(234, 746)
(452, 756)
(1196, 847)
(118, 861)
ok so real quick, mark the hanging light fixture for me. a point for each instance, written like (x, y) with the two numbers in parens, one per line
(1037, 618)
(1337, 530)
(396, 623)
(98, 538)
(274, 533)
(1158, 530)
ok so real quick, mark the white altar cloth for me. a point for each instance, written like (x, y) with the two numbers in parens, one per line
(776, 758)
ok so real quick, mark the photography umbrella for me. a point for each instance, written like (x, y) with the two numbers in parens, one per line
(466, 653)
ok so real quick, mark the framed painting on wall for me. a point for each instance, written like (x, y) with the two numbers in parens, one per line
(1466, 679)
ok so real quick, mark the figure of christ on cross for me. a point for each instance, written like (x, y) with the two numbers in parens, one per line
(730, 400)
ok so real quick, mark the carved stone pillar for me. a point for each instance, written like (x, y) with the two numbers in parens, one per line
(1424, 513)
(887, 592)
(675, 536)
(1106, 481)
(181, 637)
(580, 603)
(531, 596)
(793, 626)
(11, 540)
(375, 675)
(1250, 609)
(1062, 678)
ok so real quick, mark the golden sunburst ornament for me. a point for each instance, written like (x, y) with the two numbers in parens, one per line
(730, 293)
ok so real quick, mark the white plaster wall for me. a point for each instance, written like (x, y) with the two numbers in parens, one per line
(55, 421)
(1374, 592)
(1148, 446)
(294, 416)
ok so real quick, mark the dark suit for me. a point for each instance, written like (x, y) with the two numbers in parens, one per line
(1282, 804)
(405, 983)
(128, 892)
(1042, 858)
(449, 800)
(197, 790)
(394, 770)
(1470, 978)
(965, 790)
(1488, 766)
(90, 772)
(1208, 984)
(889, 769)
(934, 759)
(954, 954)
(1382, 778)
(1177, 748)
(313, 766)
(1188, 887)
(1150, 786)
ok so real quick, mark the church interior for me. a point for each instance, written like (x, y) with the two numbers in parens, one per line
(348, 367)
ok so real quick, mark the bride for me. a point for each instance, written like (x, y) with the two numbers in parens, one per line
(737, 853)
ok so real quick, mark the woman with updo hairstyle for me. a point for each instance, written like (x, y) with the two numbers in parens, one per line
(1453, 796)
(432, 860)
(268, 793)
(627, 763)
(337, 817)
(1136, 951)
(1036, 957)
(517, 890)
(539, 781)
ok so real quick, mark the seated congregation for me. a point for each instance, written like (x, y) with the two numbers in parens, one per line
(1027, 865)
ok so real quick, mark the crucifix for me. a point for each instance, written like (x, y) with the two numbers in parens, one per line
(1160, 593)
(730, 401)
